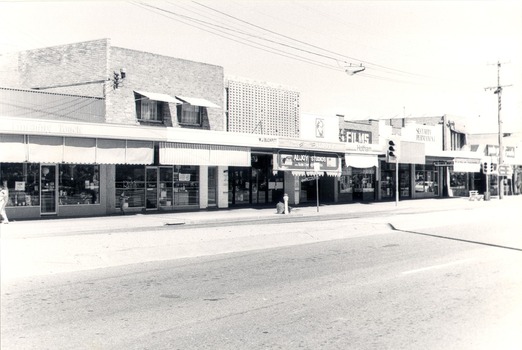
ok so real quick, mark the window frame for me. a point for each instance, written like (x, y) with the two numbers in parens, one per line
(186, 108)
(151, 108)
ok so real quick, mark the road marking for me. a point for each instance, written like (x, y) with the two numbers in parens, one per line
(441, 266)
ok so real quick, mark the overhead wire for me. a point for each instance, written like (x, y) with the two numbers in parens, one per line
(231, 36)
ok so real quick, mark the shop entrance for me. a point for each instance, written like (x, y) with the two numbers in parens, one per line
(151, 188)
(212, 186)
(48, 193)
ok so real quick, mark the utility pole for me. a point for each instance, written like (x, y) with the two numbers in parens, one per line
(498, 90)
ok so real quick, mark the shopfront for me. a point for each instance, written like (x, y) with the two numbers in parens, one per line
(388, 178)
(257, 185)
(308, 174)
(358, 178)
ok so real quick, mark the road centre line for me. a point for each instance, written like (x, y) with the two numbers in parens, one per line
(440, 266)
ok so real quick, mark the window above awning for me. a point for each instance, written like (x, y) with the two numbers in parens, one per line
(197, 101)
(158, 97)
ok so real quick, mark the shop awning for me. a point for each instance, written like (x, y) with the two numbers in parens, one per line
(139, 152)
(79, 150)
(174, 153)
(110, 151)
(197, 101)
(12, 148)
(464, 165)
(361, 160)
(124, 152)
(45, 149)
(158, 97)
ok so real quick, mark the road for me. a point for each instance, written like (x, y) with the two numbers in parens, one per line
(449, 284)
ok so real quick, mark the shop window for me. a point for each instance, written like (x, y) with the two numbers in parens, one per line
(22, 181)
(426, 181)
(130, 180)
(149, 110)
(79, 184)
(190, 115)
(165, 184)
(186, 185)
(458, 184)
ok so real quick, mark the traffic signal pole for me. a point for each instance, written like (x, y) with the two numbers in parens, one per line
(396, 181)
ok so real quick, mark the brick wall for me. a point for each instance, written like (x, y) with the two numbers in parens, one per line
(78, 68)
(167, 75)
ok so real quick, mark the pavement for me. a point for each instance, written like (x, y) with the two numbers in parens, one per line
(59, 245)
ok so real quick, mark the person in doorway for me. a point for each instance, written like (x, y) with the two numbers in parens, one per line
(4, 198)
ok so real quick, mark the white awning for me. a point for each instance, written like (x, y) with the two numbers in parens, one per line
(12, 148)
(361, 160)
(45, 149)
(110, 151)
(197, 101)
(79, 150)
(463, 165)
(139, 152)
(124, 152)
(158, 97)
(174, 153)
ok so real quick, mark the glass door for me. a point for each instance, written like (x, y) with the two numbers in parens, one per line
(48, 188)
(151, 188)
(212, 186)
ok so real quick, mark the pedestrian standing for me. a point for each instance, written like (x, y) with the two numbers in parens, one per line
(4, 198)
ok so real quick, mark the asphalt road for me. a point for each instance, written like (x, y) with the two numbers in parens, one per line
(453, 284)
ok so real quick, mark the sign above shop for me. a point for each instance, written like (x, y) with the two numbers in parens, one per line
(307, 161)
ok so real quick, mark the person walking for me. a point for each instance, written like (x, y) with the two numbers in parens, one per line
(4, 198)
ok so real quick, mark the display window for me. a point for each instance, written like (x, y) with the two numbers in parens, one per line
(459, 183)
(78, 184)
(346, 180)
(23, 182)
(130, 184)
(186, 185)
(426, 181)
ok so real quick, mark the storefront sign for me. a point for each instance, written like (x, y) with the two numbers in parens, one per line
(356, 136)
(424, 135)
(466, 165)
(306, 161)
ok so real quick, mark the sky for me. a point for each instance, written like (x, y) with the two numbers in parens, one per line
(420, 58)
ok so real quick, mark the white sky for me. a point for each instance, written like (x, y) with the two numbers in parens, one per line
(422, 58)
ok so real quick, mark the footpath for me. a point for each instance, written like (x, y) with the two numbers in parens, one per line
(50, 246)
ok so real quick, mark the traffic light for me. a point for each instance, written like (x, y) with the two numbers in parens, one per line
(492, 167)
(392, 151)
(485, 168)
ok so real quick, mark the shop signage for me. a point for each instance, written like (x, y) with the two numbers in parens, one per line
(443, 163)
(311, 145)
(424, 135)
(505, 170)
(356, 136)
(306, 161)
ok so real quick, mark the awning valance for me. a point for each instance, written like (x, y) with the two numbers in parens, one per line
(175, 153)
(361, 160)
(79, 150)
(197, 101)
(45, 149)
(12, 148)
(158, 97)
(74, 150)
